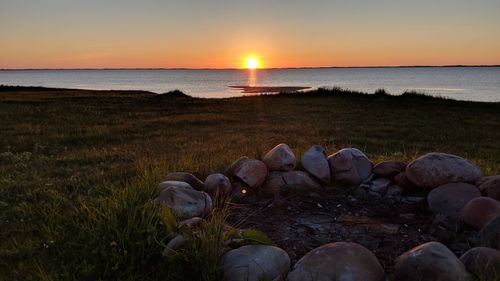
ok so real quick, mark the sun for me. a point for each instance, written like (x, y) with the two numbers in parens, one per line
(252, 62)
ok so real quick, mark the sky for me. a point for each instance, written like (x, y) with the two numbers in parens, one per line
(221, 34)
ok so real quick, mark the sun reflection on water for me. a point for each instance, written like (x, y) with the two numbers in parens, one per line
(252, 77)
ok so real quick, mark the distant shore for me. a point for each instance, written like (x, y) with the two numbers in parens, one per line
(292, 91)
(269, 68)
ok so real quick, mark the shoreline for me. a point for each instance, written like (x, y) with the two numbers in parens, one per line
(269, 68)
(295, 91)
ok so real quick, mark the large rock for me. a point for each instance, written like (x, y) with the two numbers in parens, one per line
(185, 203)
(280, 158)
(185, 177)
(389, 169)
(173, 245)
(236, 164)
(479, 211)
(349, 166)
(274, 181)
(490, 186)
(255, 263)
(489, 236)
(314, 161)
(435, 169)
(217, 184)
(252, 172)
(294, 180)
(179, 184)
(337, 262)
(449, 199)
(431, 261)
(483, 263)
(402, 180)
(299, 180)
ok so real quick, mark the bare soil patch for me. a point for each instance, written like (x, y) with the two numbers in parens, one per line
(304, 221)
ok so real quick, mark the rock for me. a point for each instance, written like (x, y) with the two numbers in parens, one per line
(280, 158)
(450, 199)
(401, 180)
(293, 180)
(338, 261)
(349, 166)
(217, 184)
(389, 169)
(483, 263)
(431, 261)
(434, 169)
(173, 245)
(299, 180)
(235, 165)
(179, 184)
(380, 185)
(186, 203)
(252, 172)
(479, 211)
(189, 223)
(375, 189)
(314, 161)
(490, 186)
(185, 177)
(489, 236)
(255, 263)
(274, 181)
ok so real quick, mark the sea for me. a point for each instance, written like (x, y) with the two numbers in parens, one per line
(460, 83)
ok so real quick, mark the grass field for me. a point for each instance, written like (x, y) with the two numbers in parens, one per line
(77, 168)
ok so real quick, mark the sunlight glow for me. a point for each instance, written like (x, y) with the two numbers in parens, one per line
(252, 62)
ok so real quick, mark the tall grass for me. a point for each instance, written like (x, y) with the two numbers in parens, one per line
(202, 258)
(117, 237)
(121, 237)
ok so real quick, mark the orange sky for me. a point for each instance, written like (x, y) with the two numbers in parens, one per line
(219, 34)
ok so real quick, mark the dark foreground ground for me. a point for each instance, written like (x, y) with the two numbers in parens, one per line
(311, 219)
(77, 167)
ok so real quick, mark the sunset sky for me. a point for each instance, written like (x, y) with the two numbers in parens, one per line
(221, 34)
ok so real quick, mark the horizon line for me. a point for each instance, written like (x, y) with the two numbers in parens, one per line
(264, 68)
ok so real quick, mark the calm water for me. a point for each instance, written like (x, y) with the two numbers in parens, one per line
(463, 83)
